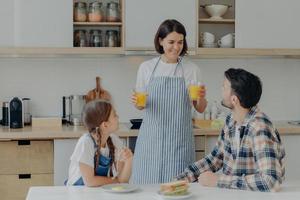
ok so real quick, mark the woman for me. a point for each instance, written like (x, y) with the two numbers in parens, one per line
(165, 145)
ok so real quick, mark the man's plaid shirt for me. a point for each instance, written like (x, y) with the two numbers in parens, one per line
(257, 165)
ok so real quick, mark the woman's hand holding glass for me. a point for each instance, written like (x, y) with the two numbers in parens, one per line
(197, 91)
(139, 98)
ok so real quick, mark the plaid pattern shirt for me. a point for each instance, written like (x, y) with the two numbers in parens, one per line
(257, 165)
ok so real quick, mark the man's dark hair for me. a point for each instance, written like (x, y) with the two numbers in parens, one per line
(245, 85)
(167, 27)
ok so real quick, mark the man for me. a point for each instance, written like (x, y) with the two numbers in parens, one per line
(249, 151)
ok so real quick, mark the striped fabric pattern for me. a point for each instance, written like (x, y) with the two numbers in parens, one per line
(165, 144)
(257, 165)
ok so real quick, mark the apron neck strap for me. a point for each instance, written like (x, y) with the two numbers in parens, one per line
(178, 64)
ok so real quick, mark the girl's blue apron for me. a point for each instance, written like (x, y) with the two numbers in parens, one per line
(102, 168)
(165, 144)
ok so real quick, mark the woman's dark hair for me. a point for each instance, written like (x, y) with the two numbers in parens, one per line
(94, 114)
(245, 85)
(167, 27)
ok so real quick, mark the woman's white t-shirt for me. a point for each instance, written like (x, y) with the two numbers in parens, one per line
(191, 72)
(84, 152)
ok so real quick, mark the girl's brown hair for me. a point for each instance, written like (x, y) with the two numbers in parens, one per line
(94, 114)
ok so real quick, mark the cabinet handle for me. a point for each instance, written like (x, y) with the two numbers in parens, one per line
(23, 142)
(24, 176)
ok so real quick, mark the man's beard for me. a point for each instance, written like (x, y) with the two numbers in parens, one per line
(226, 106)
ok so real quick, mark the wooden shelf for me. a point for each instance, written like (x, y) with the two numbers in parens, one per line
(246, 52)
(97, 23)
(60, 52)
(213, 21)
(119, 51)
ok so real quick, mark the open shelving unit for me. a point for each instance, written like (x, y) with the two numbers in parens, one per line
(218, 27)
(103, 26)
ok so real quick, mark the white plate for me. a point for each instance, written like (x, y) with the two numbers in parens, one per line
(119, 188)
(186, 196)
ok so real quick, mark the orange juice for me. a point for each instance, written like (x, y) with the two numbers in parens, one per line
(141, 99)
(194, 91)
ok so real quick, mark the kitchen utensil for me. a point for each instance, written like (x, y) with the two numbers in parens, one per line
(97, 93)
(119, 188)
(76, 103)
(227, 41)
(207, 38)
(27, 115)
(112, 12)
(5, 114)
(216, 11)
(185, 196)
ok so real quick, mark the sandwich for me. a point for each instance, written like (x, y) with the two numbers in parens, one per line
(175, 188)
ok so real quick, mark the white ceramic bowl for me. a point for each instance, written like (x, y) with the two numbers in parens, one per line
(216, 11)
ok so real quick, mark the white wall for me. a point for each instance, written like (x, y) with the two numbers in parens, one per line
(46, 80)
(7, 23)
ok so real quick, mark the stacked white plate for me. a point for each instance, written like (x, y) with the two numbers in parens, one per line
(226, 46)
(211, 45)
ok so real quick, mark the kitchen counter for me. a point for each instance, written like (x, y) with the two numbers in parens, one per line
(290, 191)
(69, 132)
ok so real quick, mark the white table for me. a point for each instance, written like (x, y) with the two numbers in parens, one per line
(290, 191)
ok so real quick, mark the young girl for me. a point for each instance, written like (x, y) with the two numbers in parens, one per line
(99, 157)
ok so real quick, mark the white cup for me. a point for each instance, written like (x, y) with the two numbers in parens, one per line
(207, 38)
(227, 40)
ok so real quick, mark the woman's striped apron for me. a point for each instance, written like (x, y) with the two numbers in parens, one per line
(165, 144)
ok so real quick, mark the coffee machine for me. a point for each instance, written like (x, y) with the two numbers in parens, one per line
(72, 113)
(16, 113)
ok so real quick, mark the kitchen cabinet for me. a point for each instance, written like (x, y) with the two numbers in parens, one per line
(24, 163)
(43, 23)
(63, 149)
(200, 146)
(103, 26)
(217, 27)
(267, 24)
(7, 23)
(143, 17)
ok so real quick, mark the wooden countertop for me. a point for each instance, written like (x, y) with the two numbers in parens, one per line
(69, 132)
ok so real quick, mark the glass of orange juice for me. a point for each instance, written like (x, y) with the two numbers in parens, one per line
(141, 96)
(194, 90)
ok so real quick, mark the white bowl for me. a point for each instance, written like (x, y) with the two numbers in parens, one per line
(216, 11)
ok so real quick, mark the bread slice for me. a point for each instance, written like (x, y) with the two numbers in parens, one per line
(174, 188)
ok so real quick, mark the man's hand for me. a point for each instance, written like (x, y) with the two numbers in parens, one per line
(208, 179)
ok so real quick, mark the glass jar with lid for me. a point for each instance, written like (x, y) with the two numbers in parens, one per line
(80, 39)
(80, 12)
(112, 12)
(96, 13)
(95, 38)
(111, 38)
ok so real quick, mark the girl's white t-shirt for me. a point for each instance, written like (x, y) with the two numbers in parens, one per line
(84, 152)
(191, 72)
